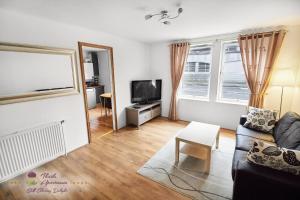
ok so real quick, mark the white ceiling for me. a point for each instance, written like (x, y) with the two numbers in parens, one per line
(199, 18)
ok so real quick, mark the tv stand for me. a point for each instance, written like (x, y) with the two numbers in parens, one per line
(140, 113)
(145, 103)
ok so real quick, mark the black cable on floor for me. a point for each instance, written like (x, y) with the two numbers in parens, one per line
(202, 192)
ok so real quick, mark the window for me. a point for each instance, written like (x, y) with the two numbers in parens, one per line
(196, 75)
(233, 86)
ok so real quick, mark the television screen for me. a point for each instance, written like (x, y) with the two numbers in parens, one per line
(145, 91)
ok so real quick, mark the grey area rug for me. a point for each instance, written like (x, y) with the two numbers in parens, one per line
(188, 178)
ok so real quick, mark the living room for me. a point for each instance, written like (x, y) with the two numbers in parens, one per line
(187, 48)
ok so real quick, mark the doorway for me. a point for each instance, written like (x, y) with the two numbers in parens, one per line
(97, 73)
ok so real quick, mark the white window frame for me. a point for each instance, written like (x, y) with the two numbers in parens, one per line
(219, 90)
(194, 97)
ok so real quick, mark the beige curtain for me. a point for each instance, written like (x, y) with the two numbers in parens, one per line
(179, 52)
(259, 52)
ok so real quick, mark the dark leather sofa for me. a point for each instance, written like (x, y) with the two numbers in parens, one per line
(257, 182)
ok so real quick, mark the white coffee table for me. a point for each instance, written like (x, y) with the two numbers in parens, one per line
(199, 139)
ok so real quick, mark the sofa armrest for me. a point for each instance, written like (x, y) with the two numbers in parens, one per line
(243, 119)
(258, 182)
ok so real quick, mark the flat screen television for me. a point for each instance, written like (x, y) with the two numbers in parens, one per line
(145, 91)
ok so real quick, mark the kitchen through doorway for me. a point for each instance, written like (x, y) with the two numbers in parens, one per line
(98, 79)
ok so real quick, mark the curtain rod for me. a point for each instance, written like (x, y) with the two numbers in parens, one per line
(180, 42)
(259, 35)
(243, 33)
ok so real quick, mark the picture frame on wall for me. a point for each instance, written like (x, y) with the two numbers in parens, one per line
(31, 72)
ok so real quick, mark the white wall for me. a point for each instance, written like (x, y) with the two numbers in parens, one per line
(104, 70)
(19, 28)
(224, 114)
(289, 57)
(160, 69)
(296, 99)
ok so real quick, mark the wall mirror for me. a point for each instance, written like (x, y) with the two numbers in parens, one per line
(30, 72)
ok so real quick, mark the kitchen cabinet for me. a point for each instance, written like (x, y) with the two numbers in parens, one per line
(99, 90)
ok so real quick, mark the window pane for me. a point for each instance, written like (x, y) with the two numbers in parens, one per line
(190, 67)
(195, 84)
(203, 67)
(233, 81)
(196, 76)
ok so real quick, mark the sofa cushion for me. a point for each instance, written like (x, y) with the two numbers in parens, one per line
(290, 139)
(245, 143)
(284, 124)
(271, 156)
(239, 155)
(261, 119)
(254, 134)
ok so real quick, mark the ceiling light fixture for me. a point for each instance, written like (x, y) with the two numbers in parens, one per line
(164, 16)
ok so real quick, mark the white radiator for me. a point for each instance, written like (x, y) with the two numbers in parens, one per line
(27, 149)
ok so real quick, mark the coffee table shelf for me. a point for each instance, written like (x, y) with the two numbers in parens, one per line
(199, 139)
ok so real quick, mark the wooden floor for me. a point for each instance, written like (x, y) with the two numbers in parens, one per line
(100, 123)
(106, 169)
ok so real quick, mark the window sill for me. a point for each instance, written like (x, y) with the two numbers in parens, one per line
(232, 102)
(194, 98)
(190, 98)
